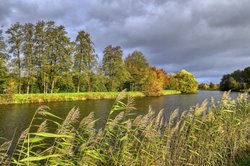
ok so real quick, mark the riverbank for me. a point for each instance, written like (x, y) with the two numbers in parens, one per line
(45, 98)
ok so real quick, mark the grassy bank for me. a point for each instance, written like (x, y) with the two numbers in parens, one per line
(43, 98)
(203, 135)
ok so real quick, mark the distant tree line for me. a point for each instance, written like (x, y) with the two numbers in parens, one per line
(41, 58)
(210, 86)
(239, 80)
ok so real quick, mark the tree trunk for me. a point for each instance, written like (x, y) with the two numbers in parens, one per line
(44, 84)
(46, 87)
(28, 87)
(89, 85)
(19, 84)
(78, 87)
(78, 84)
(52, 86)
(19, 72)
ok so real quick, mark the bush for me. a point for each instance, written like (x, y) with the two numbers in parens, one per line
(185, 82)
(9, 92)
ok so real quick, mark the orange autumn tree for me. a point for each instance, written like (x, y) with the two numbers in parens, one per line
(156, 81)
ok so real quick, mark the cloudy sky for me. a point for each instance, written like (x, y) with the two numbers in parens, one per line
(206, 37)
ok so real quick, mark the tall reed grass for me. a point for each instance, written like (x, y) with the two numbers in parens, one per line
(204, 135)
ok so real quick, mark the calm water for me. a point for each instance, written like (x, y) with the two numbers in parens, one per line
(17, 116)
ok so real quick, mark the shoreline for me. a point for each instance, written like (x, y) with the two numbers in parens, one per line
(54, 97)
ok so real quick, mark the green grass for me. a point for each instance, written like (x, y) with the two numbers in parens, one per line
(170, 92)
(43, 98)
(203, 135)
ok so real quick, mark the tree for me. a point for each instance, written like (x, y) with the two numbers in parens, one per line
(224, 82)
(58, 53)
(203, 86)
(85, 60)
(29, 56)
(154, 83)
(157, 80)
(15, 40)
(3, 63)
(233, 84)
(114, 68)
(163, 77)
(246, 76)
(40, 55)
(212, 86)
(137, 65)
(185, 82)
(236, 81)
(10, 90)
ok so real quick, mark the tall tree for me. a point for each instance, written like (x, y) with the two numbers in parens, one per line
(58, 53)
(40, 56)
(85, 59)
(137, 65)
(114, 67)
(3, 62)
(29, 56)
(15, 40)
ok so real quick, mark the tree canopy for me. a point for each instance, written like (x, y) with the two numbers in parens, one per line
(185, 82)
(114, 67)
(138, 66)
(236, 81)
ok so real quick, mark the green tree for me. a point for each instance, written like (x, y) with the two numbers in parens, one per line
(185, 82)
(137, 65)
(99, 81)
(236, 81)
(3, 63)
(114, 68)
(85, 60)
(29, 56)
(40, 56)
(15, 39)
(203, 86)
(224, 82)
(246, 76)
(212, 86)
(58, 53)
(10, 90)
(233, 84)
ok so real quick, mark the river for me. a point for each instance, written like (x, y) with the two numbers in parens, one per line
(17, 116)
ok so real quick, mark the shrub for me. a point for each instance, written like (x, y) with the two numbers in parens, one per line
(185, 82)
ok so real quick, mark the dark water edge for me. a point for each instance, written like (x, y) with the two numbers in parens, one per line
(18, 116)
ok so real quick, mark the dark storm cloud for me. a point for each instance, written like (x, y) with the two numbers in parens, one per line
(209, 38)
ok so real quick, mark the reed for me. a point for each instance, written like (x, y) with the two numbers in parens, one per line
(214, 134)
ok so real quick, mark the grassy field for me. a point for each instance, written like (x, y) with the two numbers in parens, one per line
(203, 135)
(43, 98)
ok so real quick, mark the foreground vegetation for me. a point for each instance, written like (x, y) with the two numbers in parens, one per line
(214, 135)
(44, 98)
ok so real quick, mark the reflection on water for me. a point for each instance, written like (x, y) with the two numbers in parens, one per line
(18, 116)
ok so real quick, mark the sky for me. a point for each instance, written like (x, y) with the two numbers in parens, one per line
(209, 38)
